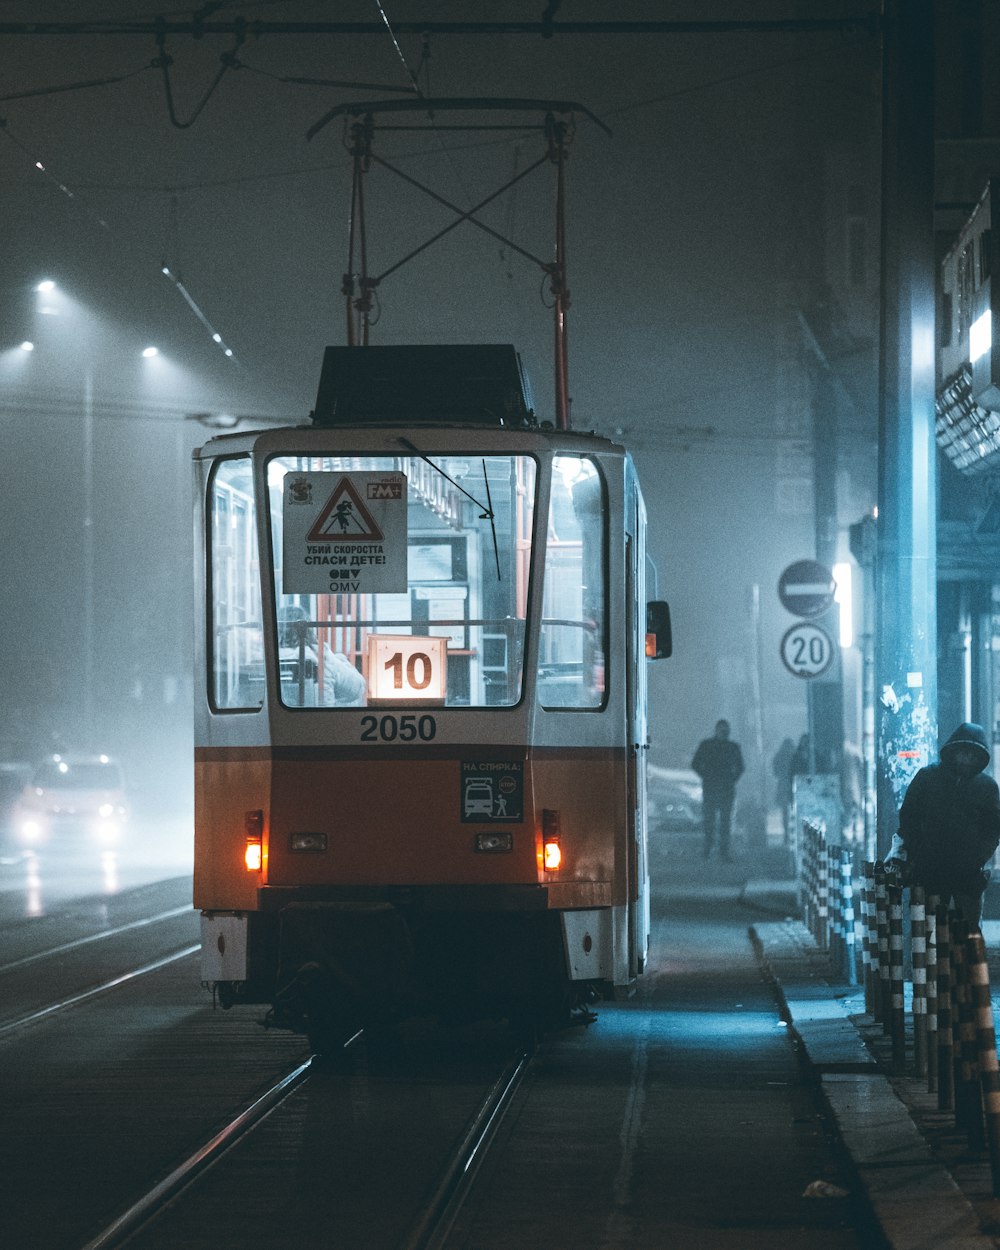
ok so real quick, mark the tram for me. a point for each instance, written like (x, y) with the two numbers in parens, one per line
(421, 705)
(422, 719)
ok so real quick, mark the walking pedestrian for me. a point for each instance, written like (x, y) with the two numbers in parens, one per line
(949, 824)
(718, 761)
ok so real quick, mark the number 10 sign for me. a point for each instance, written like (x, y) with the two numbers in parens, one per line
(806, 650)
(406, 668)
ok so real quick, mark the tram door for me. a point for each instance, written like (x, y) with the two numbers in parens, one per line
(637, 730)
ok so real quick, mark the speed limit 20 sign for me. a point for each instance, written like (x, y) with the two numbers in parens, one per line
(806, 650)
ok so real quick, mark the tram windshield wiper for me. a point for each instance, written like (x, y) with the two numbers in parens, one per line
(485, 510)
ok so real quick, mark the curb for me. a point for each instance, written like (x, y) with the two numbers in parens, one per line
(915, 1200)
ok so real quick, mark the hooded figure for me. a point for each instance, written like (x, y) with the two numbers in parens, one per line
(949, 823)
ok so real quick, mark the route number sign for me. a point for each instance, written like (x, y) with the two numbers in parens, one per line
(806, 650)
(407, 668)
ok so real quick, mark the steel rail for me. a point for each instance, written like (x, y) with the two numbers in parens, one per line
(151, 1203)
(74, 999)
(157, 1197)
(95, 937)
(431, 1230)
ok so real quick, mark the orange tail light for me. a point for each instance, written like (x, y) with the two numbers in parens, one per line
(551, 836)
(253, 854)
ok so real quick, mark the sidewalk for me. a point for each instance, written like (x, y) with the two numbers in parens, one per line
(927, 1189)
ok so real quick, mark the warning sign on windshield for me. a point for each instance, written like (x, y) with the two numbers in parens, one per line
(344, 533)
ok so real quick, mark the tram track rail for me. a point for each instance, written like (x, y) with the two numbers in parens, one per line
(431, 1230)
(146, 1208)
(431, 1226)
(64, 948)
(72, 1000)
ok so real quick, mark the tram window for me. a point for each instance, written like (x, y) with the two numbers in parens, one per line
(450, 589)
(572, 644)
(236, 636)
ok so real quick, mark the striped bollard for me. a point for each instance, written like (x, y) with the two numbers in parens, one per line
(958, 991)
(835, 919)
(932, 904)
(869, 935)
(882, 931)
(918, 946)
(897, 1012)
(823, 894)
(946, 1071)
(972, 1099)
(847, 912)
(989, 1069)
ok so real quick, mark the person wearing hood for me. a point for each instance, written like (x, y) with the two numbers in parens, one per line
(949, 823)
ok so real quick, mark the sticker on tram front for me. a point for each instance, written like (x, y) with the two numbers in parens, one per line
(344, 533)
(492, 790)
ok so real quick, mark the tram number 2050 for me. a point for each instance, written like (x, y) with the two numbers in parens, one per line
(405, 728)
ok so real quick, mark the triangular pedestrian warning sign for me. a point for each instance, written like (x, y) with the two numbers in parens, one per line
(344, 518)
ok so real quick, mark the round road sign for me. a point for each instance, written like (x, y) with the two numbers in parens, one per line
(806, 588)
(806, 650)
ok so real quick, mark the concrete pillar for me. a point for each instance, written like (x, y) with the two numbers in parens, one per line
(906, 567)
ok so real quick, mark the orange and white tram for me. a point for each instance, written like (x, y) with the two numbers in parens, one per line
(422, 720)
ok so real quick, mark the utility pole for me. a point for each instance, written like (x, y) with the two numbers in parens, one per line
(906, 563)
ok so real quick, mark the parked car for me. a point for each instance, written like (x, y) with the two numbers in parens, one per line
(675, 797)
(72, 796)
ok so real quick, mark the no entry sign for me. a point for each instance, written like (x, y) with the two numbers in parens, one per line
(806, 588)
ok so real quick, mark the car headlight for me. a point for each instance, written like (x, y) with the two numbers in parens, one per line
(31, 830)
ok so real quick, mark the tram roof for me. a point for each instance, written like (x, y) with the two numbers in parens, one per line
(469, 384)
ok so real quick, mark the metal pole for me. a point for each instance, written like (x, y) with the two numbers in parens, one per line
(882, 998)
(906, 567)
(869, 950)
(897, 1014)
(560, 290)
(946, 1041)
(918, 947)
(931, 909)
(989, 1069)
(88, 556)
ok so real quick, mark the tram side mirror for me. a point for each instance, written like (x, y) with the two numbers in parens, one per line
(659, 639)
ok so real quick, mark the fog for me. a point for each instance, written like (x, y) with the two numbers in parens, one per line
(709, 241)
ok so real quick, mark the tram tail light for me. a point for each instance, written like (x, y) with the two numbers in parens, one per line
(253, 854)
(551, 836)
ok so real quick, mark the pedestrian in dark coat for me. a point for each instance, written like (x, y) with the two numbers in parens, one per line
(719, 764)
(949, 823)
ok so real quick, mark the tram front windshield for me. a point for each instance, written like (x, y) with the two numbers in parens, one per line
(394, 583)
(405, 580)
